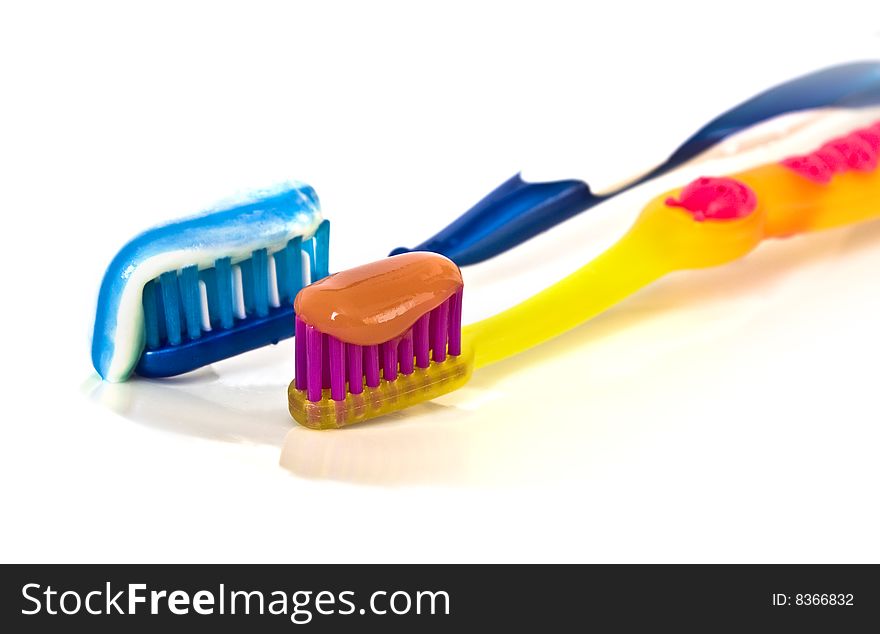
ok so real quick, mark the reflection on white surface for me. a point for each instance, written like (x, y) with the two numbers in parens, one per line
(241, 399)
(543, 415)
(546, 414)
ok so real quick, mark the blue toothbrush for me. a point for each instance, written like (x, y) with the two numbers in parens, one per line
(518, 210)
(198, 290)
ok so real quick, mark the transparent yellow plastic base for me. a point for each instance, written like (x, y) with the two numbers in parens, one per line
(390, 396)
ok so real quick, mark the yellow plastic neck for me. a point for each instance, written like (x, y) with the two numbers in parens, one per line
(620, 271)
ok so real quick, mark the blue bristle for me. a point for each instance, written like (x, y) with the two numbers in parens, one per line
(171, 302)
(288, 270)
(163, 324)
(260, 272)
(192, 301)
(209, 277)
(151, 315)
(181, 310)
(321, 252)
(294, 267)
(223, 271)
(160, 310)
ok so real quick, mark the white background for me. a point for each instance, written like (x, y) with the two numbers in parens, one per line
(727, 415)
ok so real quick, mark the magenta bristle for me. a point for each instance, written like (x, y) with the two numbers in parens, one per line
(336, 352)
(301, 356)
(439, 331)
(371, 365)
(316, 357)
(355, 360)
(389, 360)
(420, 341)
(455, 304)
(405, 353)
(325, 362)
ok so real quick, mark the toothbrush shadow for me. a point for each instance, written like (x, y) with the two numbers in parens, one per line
(409, 448)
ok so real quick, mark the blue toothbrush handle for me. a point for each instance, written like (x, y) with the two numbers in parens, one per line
(517, 211)
(512, 213)
(855, 85)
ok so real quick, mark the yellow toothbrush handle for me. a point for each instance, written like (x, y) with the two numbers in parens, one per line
(710, 222)
(662, 240)
(620, 271)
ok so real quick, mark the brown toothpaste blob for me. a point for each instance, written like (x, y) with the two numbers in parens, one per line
(377, 302)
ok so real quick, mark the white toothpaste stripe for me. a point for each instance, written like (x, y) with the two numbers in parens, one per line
(237, 293)
(274, 299)
(203, 296)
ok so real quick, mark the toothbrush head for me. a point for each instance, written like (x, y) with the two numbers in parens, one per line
(376, 339)
(201, 289)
